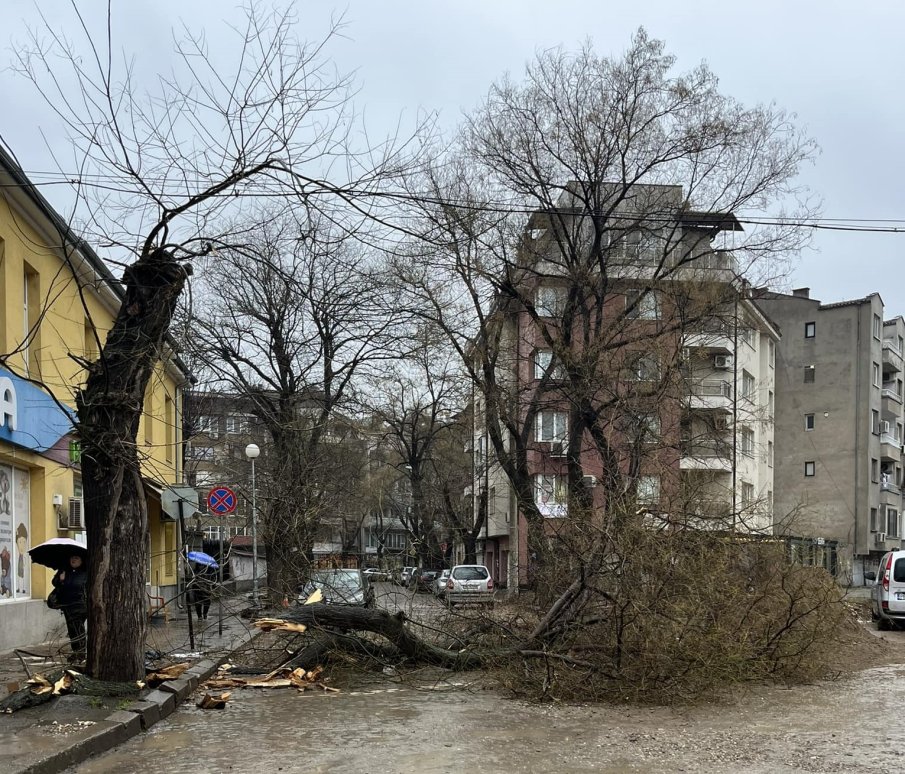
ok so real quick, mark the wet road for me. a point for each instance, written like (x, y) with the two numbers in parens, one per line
(843, 726)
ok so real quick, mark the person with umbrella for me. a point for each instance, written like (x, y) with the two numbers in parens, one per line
(69, 559)
(202, 584)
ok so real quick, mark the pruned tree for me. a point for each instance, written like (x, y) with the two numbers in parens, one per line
(158, 174)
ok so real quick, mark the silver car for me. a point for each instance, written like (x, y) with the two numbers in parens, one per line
(440, 584)
(469, 583)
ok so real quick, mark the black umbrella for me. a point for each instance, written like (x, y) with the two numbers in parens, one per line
(55, 553)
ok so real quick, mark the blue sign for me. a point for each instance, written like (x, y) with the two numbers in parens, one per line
(29, 417)
(221, 499)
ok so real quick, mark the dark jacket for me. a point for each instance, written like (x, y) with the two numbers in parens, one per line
(72, 590)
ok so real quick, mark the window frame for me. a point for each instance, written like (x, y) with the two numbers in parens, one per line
(552, 306)
(562, 437)
(810, 465)
(810, 329)
(810, 422)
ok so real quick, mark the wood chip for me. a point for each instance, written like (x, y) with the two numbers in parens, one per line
(211, 701)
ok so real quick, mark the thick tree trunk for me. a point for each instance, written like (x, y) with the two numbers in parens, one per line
(109, 410)
(471, 547)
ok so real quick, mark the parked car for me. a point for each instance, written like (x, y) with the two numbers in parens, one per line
(339, 587)
(424, 580)
(440, 584)
(888, 592)
(406, 576)
(375, 574)
(469, 583)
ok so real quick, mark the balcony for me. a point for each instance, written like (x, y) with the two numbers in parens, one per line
(890, 443)
(891, 399)
(716, 340)
(892, 355)
(890, 494)
(706, 455)
(710, 395)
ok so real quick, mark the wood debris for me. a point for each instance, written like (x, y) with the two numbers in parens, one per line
(299, 679)
(268, 624)
(211, 701)
(171, 672)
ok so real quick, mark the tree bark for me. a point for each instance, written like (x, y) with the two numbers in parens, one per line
(392, 627)
(109, 409)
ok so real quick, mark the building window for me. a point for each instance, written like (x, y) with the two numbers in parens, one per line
(747, 493)
(770, 406)
(644, 368)
(808, 421)
(169, 429)
(543, 359)
(771, 353)
(874, 471)
(551, 496)
(810, 468)
(875, 422)
(746, 441)
(648, 490)
(809, 373)
(770, 453)
(748, 335)
(210, 425)
(873, 520)
(876, 373)
(749, 385)
(810, 330)
(201, 453)
(642, 305)
(551, 426)
(649, 428)
(550, 301)
(892, 522)
(878, 327)
(237, 424)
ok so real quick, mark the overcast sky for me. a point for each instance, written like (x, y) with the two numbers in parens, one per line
(837, 65)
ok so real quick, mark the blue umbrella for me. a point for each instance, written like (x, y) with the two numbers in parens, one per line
(199, 557)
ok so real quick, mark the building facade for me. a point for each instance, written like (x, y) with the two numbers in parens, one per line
(57, 302)
(684, 379)
(839, 430)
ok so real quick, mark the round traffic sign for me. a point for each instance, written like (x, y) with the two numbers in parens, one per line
(221, 500)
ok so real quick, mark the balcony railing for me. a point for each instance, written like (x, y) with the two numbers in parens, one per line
(706, 448)
(711, 388)
(893, 345)
(891, 390)
(888, 486)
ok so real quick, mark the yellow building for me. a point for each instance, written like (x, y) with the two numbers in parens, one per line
(57, 301)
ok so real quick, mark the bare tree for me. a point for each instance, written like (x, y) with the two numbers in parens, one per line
(157, 173)
(309, 318)
(586, 221)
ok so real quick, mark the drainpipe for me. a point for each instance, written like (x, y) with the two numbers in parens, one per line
(734, 413)
(858, 431)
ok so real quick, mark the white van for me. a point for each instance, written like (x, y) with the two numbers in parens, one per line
(888, 593)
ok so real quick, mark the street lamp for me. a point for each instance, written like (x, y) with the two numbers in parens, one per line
(252, 452)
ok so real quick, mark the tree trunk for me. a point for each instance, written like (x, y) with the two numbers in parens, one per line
(109, 410)
(471, 547)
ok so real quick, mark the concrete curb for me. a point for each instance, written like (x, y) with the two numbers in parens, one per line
(124, 724)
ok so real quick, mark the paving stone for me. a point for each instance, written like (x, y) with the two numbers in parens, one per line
(148, 711)
(131, 720)
(166, 701)
(180, 688)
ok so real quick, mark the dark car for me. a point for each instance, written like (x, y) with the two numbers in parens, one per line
(426, 580)
(339, 587)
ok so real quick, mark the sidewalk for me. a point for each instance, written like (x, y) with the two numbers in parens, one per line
(53, 736)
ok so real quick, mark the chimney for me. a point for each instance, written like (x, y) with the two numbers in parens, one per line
(802, 292)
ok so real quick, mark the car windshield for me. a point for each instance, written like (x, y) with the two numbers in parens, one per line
(470, 573)
(337, 579)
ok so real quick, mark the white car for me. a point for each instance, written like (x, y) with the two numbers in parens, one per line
(469, 583)
(374, 574)
(888, 592)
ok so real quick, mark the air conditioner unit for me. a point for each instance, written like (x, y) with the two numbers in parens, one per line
(881, 538)
(722, 362)
(884, 427)
(589, 481)
(73, 518)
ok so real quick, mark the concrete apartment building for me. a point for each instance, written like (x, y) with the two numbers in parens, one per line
(709, 462)
(839, 430)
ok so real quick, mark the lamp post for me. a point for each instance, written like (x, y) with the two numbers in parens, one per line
(252, 452)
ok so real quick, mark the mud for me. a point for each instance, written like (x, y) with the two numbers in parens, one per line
(845, 725)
